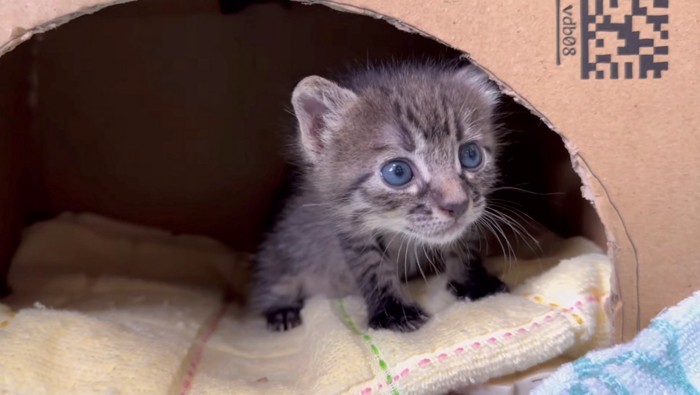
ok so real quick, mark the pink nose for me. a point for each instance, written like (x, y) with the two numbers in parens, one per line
(455, 209)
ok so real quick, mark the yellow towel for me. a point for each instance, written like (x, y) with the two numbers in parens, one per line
(102, 307)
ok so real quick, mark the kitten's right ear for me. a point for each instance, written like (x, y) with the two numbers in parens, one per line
(475, 78)
(318, 104)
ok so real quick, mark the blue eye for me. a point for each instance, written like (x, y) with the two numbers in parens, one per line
(397, 173)
(470, 156)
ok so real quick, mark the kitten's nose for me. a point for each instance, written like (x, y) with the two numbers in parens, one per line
(455, 209)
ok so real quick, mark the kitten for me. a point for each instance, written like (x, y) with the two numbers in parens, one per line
(398, 164)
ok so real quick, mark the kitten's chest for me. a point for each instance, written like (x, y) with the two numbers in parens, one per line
(412, 259)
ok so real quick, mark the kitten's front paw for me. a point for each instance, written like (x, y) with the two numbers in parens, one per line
(396, 316)
(283, 319)
(477, 288)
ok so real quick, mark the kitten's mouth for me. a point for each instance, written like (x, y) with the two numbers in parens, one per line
(439, 234)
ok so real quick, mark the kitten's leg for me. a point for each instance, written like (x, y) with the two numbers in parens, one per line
(283, 318)
(279, 299)
(467, 277)
(380, 286)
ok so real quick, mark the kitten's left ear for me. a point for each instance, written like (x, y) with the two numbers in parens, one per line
(318, 104)
(475, 78)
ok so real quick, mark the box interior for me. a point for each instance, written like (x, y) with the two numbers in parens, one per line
(175, 114)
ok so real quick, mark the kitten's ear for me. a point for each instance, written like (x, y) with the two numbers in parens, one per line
(474, 77)
(318, 103)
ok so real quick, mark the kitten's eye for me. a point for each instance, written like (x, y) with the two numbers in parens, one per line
(470, 156)
(397, 173)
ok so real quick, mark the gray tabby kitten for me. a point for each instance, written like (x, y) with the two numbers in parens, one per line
(399, 163)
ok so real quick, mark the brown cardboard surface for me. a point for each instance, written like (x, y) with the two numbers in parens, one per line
(636, 143)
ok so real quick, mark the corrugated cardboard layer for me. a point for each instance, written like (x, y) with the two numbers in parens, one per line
(636, 142)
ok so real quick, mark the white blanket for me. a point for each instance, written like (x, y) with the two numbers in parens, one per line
(102, 307)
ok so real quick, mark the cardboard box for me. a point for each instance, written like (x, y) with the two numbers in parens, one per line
(97, 115)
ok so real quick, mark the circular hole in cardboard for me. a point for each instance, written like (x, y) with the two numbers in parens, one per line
(175, 114)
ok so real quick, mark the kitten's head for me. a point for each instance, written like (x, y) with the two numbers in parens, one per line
(408, 149)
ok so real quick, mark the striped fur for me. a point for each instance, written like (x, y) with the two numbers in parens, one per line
(346, 231)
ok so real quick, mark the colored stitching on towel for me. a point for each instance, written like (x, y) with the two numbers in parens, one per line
(492, 339)
(569, 311)
(389, 379)
(199, 350)
(5, 323)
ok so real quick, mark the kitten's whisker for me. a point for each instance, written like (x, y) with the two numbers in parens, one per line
(398, 256)
(518, 228)
(511, 188)
(521, 231)
(505, 239)
(510, 221)
(461, 244)
(415, 248)
(418, 263)
(405, 255)
(479, 228)
(427, 257)
(386, 248)
(496, 203)
(494, 220)
(492, 227)
(398, 252)
(482, 240)
(483, 220)
(315, 205)
(509, 257)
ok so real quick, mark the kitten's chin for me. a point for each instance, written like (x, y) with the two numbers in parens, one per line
(442, 240)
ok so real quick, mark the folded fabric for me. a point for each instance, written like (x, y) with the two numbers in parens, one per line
(662, 359)
(102, 307)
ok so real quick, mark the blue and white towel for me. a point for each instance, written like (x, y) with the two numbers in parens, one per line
(663, 359)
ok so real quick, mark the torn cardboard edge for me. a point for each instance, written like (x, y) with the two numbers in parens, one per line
(592, 189)
(20, 34)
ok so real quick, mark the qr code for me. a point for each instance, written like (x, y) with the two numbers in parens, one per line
(624, 39)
